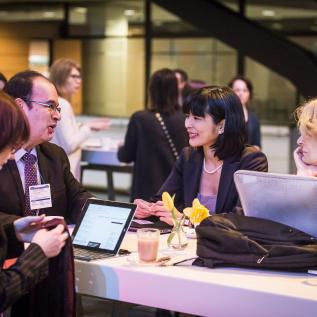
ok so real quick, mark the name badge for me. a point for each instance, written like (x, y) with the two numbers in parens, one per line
(40, 196)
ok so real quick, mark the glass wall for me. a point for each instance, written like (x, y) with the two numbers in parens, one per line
(274, 98)
(204, 59)
(113, 35)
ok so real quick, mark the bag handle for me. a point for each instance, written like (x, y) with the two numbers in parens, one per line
(168, 137)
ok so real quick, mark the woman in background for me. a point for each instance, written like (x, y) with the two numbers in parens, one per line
(305, 155)
(183, 87)
(244, 89)
(146, 142)
(69, 134)
(216, 129)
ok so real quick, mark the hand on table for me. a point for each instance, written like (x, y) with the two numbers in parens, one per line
(143, 209)
(159, 210)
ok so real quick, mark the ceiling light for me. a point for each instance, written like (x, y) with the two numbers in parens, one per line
(268, 13)
(81, 10)
(49, 14)
(129, 12)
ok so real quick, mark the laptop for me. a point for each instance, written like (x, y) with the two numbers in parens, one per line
(288, 199)
(101, 229)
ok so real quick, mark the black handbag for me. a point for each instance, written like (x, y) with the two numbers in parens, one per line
(241, 241)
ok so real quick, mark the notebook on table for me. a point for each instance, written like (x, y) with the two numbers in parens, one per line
(101, 229)
(144, 223)
(288, 199)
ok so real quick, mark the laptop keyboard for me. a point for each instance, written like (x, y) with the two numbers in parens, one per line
(88, 255)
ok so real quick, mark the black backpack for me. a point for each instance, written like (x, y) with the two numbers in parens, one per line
(235, 240)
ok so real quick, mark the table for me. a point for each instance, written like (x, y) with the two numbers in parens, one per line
(101, 155)
(200, 291)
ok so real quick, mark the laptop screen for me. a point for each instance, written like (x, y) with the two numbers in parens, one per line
(288, 199)
(103, 225)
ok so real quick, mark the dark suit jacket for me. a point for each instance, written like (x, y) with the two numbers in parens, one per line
(30, 268)
(184, 180)
(146, 145)
(68, 196)
(253, 129)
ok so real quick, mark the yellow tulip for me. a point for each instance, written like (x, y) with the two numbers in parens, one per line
(168, 202)
(197, 213)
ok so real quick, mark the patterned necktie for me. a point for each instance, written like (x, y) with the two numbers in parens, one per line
(30, 179)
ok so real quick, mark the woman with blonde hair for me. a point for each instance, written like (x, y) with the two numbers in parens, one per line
(69, 134)
(305, 155)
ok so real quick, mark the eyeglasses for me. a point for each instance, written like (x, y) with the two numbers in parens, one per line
(49, 105)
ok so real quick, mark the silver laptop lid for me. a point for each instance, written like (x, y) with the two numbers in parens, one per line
(102, 225)
(288, 199)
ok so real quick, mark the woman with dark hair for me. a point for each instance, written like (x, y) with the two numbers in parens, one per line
(216, 129)
(155, 137)
(183, 85)
(32, 265)
(244, 89)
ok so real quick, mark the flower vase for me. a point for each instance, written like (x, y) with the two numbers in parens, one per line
(177, 239)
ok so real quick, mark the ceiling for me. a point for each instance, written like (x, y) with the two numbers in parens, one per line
(290, 17)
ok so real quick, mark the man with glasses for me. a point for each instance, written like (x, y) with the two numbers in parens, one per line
(39, 180)
(37, 96)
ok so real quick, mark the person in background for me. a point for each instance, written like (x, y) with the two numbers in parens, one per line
(182, 83)
(146, 141)
(305, 155)
(3, 81)
(70, 135)
(216, 129)
(32, 265)
(244, 89)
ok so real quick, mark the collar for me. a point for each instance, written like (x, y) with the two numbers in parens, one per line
(19, 154)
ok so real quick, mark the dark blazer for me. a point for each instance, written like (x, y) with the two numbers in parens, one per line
(184, 180)
(146, 145)
(68, 196)
(253, 129)
(31, 267)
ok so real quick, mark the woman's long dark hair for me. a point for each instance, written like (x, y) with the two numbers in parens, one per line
(163, 91)
(221, 103)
